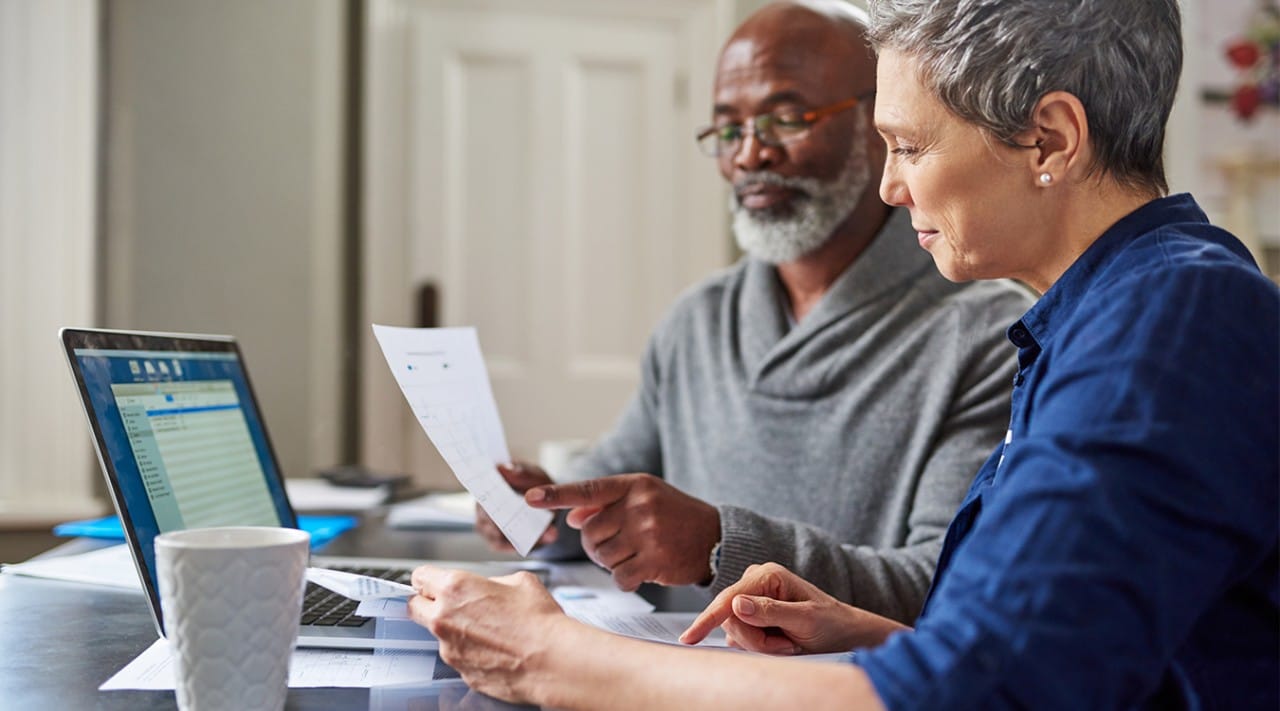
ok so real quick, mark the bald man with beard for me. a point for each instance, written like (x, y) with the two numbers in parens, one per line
(824, 402)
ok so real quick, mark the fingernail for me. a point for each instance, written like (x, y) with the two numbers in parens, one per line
(533, 495)
(745, 606)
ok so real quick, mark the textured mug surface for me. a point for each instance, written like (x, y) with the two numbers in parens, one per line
(231, 598)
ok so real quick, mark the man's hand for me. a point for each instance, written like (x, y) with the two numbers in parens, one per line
(521, 477)
(639, 527)
(775, 611)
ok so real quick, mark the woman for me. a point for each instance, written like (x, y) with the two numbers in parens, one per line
(1119, 549)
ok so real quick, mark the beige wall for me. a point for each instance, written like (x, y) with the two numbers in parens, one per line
(48, 143)
(224, 198)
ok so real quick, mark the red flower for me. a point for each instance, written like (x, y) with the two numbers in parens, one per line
(1244, 53)
(1245, 101)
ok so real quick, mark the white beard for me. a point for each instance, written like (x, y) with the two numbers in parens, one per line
(819, 209)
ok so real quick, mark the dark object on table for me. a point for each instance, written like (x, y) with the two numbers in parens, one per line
(362, 478)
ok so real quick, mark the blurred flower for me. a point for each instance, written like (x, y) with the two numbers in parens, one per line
(1256, 57)
(1244, 53)
(1245, 101)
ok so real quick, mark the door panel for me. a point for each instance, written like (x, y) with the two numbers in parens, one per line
(534, 159)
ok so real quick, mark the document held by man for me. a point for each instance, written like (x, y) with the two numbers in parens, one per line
(442, 374)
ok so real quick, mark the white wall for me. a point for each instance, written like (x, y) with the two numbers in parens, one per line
(224, 195)
(48, 119)
(1208, 146)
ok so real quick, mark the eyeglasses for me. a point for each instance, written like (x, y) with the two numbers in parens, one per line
(771, 129)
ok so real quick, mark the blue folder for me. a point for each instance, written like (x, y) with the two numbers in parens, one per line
(322, 528)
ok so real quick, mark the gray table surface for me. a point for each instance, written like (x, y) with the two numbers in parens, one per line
(59, 641)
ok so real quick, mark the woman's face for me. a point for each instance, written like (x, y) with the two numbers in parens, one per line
(972, 199)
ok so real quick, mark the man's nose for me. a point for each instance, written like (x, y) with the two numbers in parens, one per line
(753, 155)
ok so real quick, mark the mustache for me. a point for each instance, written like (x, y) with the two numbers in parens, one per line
(763, 178)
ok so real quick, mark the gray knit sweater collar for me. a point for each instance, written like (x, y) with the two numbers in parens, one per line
(772, 352)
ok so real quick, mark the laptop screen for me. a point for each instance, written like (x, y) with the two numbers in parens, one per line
(179, 433)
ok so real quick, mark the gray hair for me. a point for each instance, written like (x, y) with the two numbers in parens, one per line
(990, 62)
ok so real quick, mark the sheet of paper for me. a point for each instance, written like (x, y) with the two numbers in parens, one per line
(574, 604)
(580, 588)
(320, 495)
(358, 587)
(442, 375)
(456, 510)
(584, 573)
(111, 566)
(600, 601)
(387, 608)
(153, 669)
(656, 627)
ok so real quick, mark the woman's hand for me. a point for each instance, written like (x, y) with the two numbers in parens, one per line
(493, 631)
(775, 611)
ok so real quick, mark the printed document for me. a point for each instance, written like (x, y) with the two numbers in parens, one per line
(153, 669)
(452, 510)
(358, 587)
(112, 566)
(579, 588)
(442, 374)
(665, 627)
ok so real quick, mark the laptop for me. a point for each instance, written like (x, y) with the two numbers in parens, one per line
(183, 444)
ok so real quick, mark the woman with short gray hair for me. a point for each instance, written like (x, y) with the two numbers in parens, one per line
(990, 61)
(1119, 548)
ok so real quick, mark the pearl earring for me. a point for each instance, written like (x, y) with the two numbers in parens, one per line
(1045, 178)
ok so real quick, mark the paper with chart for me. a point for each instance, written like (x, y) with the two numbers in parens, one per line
(442, 374)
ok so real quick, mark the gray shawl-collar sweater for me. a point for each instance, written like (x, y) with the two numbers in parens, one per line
(839, 447)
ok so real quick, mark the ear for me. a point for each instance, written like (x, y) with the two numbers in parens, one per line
(1060, 136)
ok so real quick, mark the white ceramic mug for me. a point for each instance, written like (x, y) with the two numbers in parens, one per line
(231, 598)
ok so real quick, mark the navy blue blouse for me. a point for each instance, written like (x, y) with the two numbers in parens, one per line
(1119, 549)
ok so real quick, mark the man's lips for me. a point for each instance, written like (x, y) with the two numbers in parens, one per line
(765, 196)
(925, 236)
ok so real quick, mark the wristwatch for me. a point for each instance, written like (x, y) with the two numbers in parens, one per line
(714, 563)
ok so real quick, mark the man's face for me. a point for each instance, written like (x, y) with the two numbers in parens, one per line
(787, 200)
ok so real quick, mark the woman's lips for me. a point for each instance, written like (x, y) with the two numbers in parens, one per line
(925, 237)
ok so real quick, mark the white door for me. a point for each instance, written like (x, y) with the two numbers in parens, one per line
(533, 161)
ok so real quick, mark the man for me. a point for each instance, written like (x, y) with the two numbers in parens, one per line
(823, 403)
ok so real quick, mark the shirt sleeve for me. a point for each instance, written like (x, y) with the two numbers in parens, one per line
(893, 581)
(1144, 485)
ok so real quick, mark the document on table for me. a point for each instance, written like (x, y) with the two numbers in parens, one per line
(111, 566)
(579, 588)
(153, 669)
(652, 626)
(452, 510)
(574, 601)
(442, 375)
(664, 627)
(320, 495)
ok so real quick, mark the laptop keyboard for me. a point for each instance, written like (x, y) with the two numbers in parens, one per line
(328, 609)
